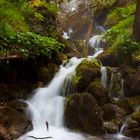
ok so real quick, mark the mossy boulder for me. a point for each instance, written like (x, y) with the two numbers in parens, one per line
(127, 70)
(124, 103)
(13, 123)
(112, 126)
(83, 113)
(134, 102)
(109, 111)
(46, 73)
(136, 116)
(131, 84)
(87, 71)
(133, 125)
(98, 91)
(107, 58)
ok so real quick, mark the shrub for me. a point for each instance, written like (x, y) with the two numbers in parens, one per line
(30, 45)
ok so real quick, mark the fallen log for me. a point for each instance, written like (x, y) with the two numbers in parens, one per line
(9, 57)
(40, 138)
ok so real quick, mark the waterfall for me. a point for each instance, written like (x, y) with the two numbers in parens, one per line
(104, 76)
(116, 84)
(95, 41)
(48, 106)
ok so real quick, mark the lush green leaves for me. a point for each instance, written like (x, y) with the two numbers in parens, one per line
(30, 45)
(119, 37)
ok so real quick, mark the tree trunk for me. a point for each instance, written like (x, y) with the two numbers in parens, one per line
(136, 29)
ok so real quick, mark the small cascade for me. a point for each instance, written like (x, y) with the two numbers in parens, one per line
(65, 35)
(116, 84)
(48, 106)
(95, 41)
(122, 128)
(104, 77)
(71, 5)
(69, 88)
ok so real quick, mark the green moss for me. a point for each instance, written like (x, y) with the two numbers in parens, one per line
(134, 102)
(100, 5)
(119, 36)
(94, 63)
(120, 13)
(136, 115)
(109, 73)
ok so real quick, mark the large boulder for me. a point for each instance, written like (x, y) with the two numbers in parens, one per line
(87, 71)
(133, 125)
(131, 84)
(107, 58)
(109, 112)
(98, 91)
(12, 123)
(83, 113)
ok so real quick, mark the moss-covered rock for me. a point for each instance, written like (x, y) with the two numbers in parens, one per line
(131, 84)
(127, 70)
(112, 126)
(83, 113)
(133, 125)
(107, 58)
(98, 92)
(109, 112)
(134, 102)
(135, 133)
(125, 105)
(136, 116)
(87, 70)
(116, 85)
(45, 74)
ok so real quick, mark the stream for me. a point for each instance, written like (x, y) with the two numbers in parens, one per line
(47, 104)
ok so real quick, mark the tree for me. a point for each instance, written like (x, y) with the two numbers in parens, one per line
(136, 29)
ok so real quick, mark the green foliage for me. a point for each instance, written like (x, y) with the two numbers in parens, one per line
(11, 17)
(52, 7)
(120, 13)
(30, 45)
(15, 37)
(106, 3)
(119, 36)
(125, 47)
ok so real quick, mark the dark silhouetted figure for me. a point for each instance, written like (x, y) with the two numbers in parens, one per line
(47, 125)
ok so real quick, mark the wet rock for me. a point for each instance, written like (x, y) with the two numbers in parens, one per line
(134, 102)
(13, 123)
(127, 70)
(133, 125)
(83, 113)
(131, 84)
(98, 92)
(112, 126)
(109, 111)
(45, 74)
(108, 59)
(124, 103)
(86, 72)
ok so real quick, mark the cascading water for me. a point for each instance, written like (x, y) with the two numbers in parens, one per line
(104, 77)
(116, 84)
(95, 41)
(48, 106)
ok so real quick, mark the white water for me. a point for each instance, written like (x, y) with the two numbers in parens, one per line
(71, 5)
(104, 76)
(95, 41)
(48, 105)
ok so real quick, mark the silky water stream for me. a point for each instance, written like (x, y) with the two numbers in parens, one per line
(48, 105)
